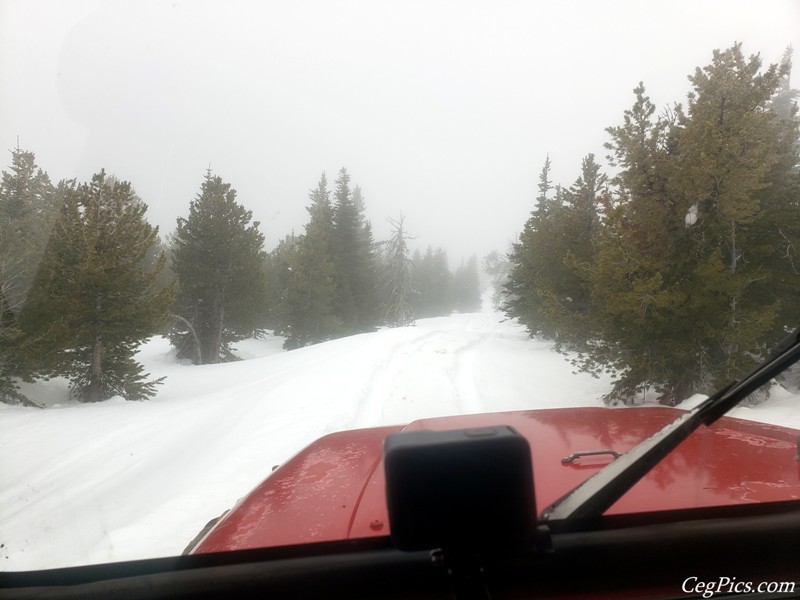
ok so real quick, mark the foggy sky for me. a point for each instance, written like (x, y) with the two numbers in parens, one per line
(444, 111)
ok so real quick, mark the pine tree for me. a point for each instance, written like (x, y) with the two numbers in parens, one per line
(780, 201)
(92, 302)
(218, 258)
(546, 290)
(397, 280)
(730, 144)
(27, 210)
(307, 303)
(27, 199)
(686, 277)
(355, 302)
(639, 272)
(570, 298)
(529, 261)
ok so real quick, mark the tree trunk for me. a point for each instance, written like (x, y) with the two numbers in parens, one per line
(197, 356)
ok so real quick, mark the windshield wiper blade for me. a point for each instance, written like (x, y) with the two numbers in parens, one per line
(595, 495)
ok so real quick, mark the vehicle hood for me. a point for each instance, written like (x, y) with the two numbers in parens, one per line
(334, 489)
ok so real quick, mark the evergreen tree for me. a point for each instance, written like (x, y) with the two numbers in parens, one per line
(92, 302)
(638, 308)
(355, 301)
(729, 146)
(27, 199)
(308, 316)
(570, 298)
(398, 286)
(27, 210)
(218, 258)
(689, 275)
(546, 290)
(780, 201)
(530, 262)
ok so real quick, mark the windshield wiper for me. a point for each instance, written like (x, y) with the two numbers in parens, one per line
(595, 495)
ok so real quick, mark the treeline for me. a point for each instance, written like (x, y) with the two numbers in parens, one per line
(85, 279)
(677, 272)
(335, 280)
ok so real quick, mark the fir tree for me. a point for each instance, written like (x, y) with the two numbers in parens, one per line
(528, 261)
(27, 199)
(397, 281)
(355, 302)
(686, 276)
(570, 297)
(307, 304)
(640, 259)
(780, 201)
(729, 146)
(546, 290)
(92, 302)
(27, 210)
(218, 258)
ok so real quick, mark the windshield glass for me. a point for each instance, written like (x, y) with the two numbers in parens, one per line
(229, 228)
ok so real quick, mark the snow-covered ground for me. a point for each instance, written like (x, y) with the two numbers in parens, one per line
(123, 480)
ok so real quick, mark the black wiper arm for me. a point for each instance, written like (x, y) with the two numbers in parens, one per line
(595, 495)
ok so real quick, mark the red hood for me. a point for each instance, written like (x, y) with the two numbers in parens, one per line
(334, 488)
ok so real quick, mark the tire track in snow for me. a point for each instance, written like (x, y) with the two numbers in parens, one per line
(379, 386)
(468, 387)
(431, 375)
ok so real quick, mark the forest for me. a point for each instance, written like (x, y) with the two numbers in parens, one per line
(674, 270)
(85, 279)
(681, 269)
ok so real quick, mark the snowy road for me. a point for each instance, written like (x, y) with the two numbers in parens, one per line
(123, 480)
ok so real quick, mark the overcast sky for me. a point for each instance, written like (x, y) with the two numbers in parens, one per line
(441, 110)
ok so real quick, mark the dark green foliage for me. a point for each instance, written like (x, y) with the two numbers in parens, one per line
(27, 210)
(27, 200)
(9, 340)
(780, 200)
(730, 145)
(530, 261)
(688, 272)
(303, 269)
(355, 300)
(546, 290)
(397, 281)
(93, 301)
(218, 258)
(324, 284)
